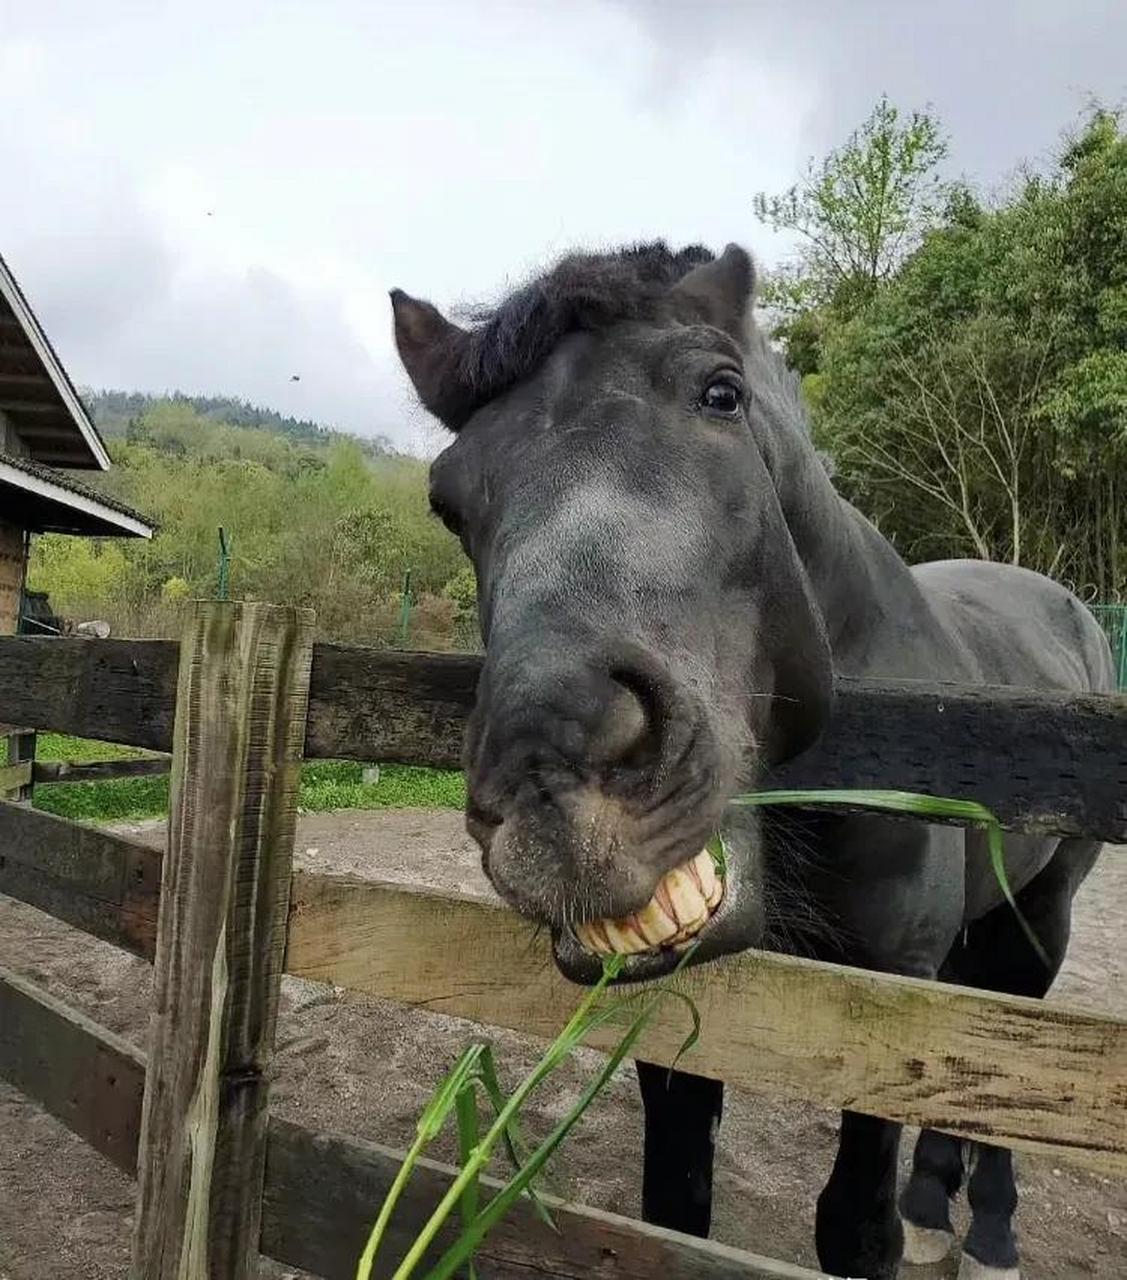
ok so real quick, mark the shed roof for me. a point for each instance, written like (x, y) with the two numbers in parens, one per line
(42, 500)
(36, 395)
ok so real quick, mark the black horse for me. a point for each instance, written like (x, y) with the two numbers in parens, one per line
(667, 580)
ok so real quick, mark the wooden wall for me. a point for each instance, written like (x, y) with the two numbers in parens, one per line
(12, 567)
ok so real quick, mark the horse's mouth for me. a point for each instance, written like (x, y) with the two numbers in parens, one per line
(698, 913)
(684, 901)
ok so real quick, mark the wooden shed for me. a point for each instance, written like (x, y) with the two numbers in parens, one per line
(45, 435)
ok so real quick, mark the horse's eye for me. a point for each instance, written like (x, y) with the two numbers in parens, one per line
(723, 396)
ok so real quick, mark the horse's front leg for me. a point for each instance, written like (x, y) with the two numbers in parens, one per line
(858, 1230)
(682, 1116)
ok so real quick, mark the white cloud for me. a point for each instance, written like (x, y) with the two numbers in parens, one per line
(215, 197)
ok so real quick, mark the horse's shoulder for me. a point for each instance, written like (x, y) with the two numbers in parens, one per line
(1021, 625)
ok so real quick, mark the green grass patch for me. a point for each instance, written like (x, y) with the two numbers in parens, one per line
(325, 785)
(338, 784)
(59, 746)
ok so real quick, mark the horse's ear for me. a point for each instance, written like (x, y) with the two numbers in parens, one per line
(722, 291)
(429, 346)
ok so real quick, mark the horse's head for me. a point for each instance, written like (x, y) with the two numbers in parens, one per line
(651, 639)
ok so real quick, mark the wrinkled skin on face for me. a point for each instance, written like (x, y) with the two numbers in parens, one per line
(651, 640)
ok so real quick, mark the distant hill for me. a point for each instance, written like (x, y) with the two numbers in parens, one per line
(113, 411)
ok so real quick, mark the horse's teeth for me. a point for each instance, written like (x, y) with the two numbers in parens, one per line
(705, 871)
(591, 939)
(679, 909)
(624, 937)
(654, 923)
(687, 899)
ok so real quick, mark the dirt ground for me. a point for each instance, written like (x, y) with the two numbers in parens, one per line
(365, 1067)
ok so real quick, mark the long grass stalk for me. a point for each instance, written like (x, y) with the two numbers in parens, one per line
(917, 806)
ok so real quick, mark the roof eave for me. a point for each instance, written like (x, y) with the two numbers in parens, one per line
(119, 522)
(52, 366)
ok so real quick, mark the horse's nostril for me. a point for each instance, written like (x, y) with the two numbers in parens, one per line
(628, 725)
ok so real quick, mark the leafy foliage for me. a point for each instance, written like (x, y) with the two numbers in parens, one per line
(975, 401)
(323, 523)
(857, 213)
(115, 411)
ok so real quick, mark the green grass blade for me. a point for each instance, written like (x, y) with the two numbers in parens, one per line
(568, 1038)
(515, 1145)
(694, 1033)
(646, 1001)
(465, 1108)
(718, 848)
(917, 806)
(450, 1261)
(445, 1097)
(430, 1122)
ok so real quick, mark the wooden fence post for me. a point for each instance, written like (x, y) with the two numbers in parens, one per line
(21, 750)
(240, 728)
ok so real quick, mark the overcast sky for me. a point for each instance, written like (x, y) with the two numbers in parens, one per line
(216, 195)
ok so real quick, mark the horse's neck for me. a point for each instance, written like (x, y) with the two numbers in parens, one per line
(866, 592)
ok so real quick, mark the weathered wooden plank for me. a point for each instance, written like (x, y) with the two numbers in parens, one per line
(241, 704)
(100, 770)
(323, 1192)
(21, 753)
(1049, 762)
(1041, 761)
(81, 1073)
(14, 777)
(1045, 762)
(113, 690)
(95, 880)
(373, 704)
(1015, 1071)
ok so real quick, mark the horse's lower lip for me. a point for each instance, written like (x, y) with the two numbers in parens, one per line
(684, 901)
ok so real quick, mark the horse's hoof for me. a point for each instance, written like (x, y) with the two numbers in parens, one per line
(924, 1245)
(971, 1269)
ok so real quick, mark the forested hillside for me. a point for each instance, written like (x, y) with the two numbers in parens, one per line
(314, 518)
(113, 411)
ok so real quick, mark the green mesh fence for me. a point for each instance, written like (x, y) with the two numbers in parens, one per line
(1113, 619)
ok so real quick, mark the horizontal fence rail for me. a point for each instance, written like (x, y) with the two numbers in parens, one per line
(322, 1191)
(114, 690)
(97, 881)
(1044, 762)
(99, 770)
(1016, 1071)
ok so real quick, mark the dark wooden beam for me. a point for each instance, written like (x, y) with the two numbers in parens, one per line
(372, 704)
(323, 1192)
(25, 384)
(100, 770)
(99, 882)
(79, 1072)
(1042, 761)
(17, 357)
(120, 691)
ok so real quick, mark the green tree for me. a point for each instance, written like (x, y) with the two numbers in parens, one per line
(977, 405)
(857, 214)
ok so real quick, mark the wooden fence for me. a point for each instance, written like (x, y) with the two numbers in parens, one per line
(239, 703)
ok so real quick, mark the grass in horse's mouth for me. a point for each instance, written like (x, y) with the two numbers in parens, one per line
(683, 902)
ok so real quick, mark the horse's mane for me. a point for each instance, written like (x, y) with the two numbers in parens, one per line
(588, 291)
